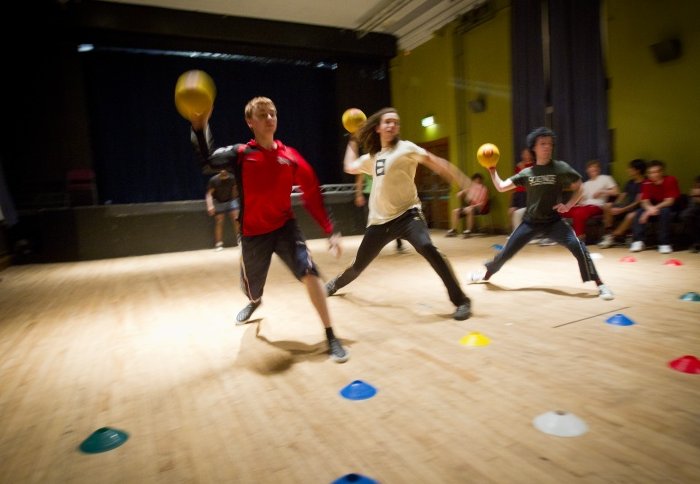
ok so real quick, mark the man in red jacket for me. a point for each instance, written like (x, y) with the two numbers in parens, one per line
(266, 170)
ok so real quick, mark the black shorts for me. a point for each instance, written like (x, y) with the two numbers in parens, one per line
(287, 242)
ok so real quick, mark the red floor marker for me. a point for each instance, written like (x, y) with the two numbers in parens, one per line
(686, 364)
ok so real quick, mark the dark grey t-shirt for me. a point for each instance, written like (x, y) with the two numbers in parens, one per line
(544, 185)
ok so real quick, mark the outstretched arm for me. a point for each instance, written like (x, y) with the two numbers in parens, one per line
(446, 170)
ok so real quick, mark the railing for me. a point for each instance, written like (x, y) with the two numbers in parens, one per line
(330, 188)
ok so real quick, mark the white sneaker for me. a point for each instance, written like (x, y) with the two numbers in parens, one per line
(665, 249)
(477, 276)
(219, 246)
(605, 293)
(637, 246)
(607, 242)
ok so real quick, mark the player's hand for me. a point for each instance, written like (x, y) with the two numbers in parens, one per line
(199, 120)
(360, 201)
(334, 244)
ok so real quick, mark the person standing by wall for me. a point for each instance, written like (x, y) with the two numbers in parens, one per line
(222, 201)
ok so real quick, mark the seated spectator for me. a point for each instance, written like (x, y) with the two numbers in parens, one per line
(623, 209)
(596, 191)
(474, 201)
(659, 193)
(691, 216)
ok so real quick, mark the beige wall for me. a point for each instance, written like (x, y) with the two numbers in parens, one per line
(654, 109)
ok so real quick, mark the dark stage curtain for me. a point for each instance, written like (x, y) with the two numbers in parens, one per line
(6, 204)
(141, 147)
(563, 87)
(579, 96)
(529, 90)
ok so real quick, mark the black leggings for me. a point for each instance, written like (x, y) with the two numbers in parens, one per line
(410, 226)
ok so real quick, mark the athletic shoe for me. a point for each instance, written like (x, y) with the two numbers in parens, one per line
(451, 233)
(534, 241)
(637, 246)
(466, 234)
(219, 246)
(330, 288)
(546, 242)
(337, 352)
(482, 275)
(605, 293)
(665, 249)
(607, 242)
(463, 311)
(245, 313)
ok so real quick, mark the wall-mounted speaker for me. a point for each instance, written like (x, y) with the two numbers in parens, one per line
(478, 105)
(666, 50)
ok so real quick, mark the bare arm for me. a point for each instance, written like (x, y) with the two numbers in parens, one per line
(501, 186)
(446, 170)
(359, 189)
(210, 201)
(577, 189)
(350, 163)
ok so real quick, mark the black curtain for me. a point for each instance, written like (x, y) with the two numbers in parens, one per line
(529, 89)
(141, 148)
(579, 97)
(559, 77)
(6, 203)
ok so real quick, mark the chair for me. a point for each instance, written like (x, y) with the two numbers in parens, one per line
(81, 187)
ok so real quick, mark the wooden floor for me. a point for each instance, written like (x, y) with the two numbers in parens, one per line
(148, 345)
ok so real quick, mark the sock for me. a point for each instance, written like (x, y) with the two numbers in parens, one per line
(329, 334)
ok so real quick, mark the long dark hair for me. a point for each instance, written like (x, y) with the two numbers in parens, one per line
(367, 136)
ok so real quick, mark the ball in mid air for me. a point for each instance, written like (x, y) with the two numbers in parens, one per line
(194, 93)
